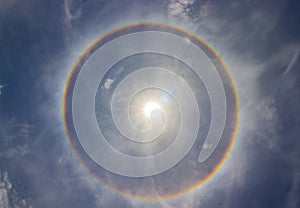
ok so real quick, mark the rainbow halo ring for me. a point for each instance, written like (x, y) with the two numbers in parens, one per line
(147, 102)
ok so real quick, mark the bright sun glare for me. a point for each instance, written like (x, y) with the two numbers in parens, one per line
(149, 107)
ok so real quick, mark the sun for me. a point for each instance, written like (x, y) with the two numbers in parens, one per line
(150, 107)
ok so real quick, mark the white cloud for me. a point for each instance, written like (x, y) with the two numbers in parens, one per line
(4, 198)
(5, 187)
(1, 86)
(108, 83)
(180, 9)
(206, 146)
(9, 197)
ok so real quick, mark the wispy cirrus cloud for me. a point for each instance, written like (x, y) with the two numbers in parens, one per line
(72, 10)
(14, 134)
(263, 62)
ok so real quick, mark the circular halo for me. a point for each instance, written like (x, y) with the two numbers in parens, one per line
(209, 73)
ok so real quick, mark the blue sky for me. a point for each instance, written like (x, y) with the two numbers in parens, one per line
(39, 42)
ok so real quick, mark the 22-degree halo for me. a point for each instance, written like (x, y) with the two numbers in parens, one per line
(230, 131)
(92, 139)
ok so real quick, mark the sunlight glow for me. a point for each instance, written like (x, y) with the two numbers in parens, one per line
(150, 107)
